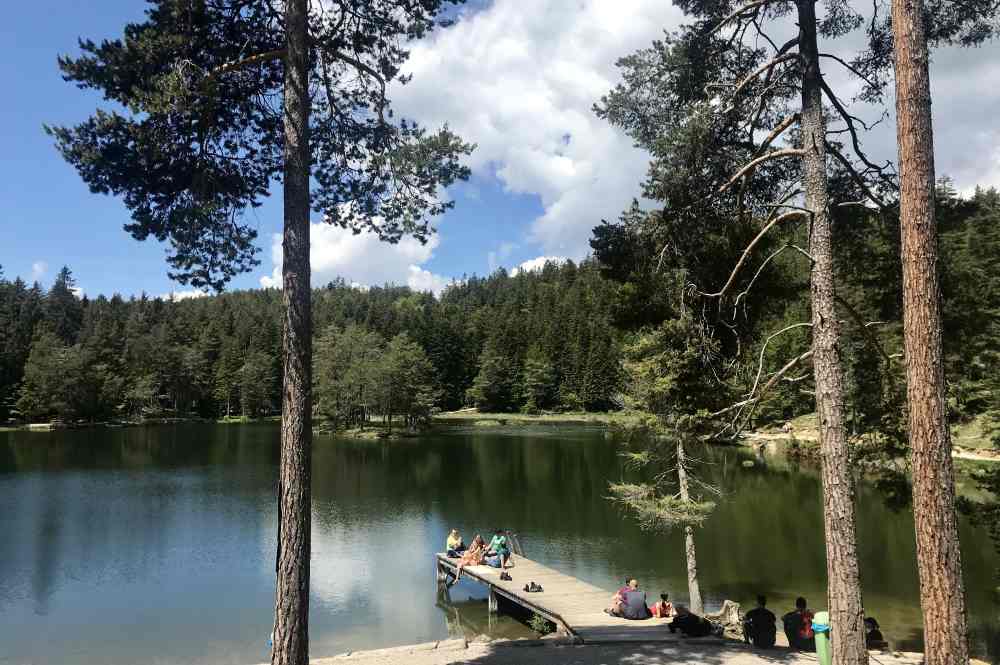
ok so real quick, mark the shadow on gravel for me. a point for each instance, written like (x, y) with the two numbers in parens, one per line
(683, 653)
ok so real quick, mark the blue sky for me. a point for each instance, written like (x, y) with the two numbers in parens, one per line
(518, 83)
(51, 219)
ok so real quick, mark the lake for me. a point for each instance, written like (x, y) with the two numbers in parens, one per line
(156, 544)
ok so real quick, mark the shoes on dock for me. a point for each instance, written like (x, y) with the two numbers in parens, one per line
(531, 587)
(505, 577)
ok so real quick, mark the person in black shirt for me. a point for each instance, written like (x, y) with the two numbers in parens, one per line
(759, 625)
(873, 636)
(690, 624)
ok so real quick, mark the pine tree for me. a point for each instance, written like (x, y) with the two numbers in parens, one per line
(538, 381)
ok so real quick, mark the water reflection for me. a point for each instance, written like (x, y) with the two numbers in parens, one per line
(127, 544)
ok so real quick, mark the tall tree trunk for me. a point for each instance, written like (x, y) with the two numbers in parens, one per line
(291, 611)
(694, 591)
(843, 579)
(939, 557)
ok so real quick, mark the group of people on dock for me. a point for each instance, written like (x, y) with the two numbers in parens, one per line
(478, 553)
(629, 602)
(759, 624)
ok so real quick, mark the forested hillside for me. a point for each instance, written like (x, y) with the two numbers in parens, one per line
(668, 274)
(536, 340)
(546, 340)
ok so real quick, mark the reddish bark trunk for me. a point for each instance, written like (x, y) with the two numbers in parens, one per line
(939, 557)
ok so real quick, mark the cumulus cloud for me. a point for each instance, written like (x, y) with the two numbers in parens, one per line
(424, 280)
(38, 270)
(183, 295)
(362, 260)
(521, 85)
(536, 263)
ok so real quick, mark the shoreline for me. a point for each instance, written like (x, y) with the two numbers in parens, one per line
(563, 651)
(770, 436)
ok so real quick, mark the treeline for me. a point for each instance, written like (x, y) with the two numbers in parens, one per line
(534, 340)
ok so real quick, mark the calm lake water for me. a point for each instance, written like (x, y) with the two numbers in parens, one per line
(156, 545)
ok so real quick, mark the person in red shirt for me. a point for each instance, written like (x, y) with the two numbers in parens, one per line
(798, 627)
(663, 608)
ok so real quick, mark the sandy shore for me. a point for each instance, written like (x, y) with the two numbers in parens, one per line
(552, 652)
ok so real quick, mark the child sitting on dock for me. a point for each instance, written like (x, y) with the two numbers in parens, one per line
(473, 556)
(618, 600)
(663, 608)
(454, 545)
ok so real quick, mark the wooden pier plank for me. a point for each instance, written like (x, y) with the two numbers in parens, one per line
(575, 605)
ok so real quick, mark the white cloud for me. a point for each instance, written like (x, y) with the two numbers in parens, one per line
(78, 291)
(362, 260)
(424, 280)
(536, 263)
(38, 270)
(521, 85)
(183, 295)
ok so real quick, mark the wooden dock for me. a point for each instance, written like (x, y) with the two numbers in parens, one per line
(574, 606)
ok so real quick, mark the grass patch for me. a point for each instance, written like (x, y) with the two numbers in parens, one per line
(241, 420)
(971, 434)
(541, 625)
(476, 418)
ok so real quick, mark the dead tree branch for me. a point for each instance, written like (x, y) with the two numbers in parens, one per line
(749, 250)
(855, 175)
(774, 154)
(866, 329)
(756, 4)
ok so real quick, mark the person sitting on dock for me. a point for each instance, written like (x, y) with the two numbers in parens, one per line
(798, 626)
(500, 548)
(630, 602)
(663, 608)
(759, 625)
(873, 636)
(618, 600)
(635, 603)
(473, 556)
(454, 545)
(690, 624)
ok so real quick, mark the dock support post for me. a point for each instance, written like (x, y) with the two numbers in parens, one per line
(492, 601)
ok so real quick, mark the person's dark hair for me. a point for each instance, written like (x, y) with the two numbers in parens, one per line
(800, 603)
(499, 532)
(870, 621)
(762, 600)
(664, 596)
